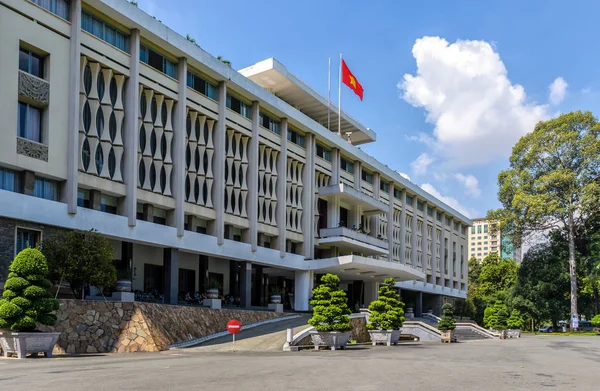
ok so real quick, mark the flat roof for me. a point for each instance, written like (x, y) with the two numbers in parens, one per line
(274, 77)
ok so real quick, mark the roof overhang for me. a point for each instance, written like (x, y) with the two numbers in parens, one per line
(369, 205)
(275, 78)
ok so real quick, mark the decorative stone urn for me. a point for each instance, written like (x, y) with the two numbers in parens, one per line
(123, 286)
(409, 314)
(513, 333)
(20, 344)
(386, 337)
(332, 339)
(447, 336)
(212, 293)
(275, 299)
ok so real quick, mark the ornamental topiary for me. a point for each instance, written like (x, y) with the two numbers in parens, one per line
(26, 300)
(330, 308)
(492, 319)
(515, 322)
(387, 312)
(447, 322)
(596, 321)
(501, 319)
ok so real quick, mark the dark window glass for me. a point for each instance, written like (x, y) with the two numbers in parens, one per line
(57, 7)
(45, 188)
(26, 238)
(29, 122)
(323, 152)
(31, 63)
(104, 31)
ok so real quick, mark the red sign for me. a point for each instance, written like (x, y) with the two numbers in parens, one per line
(234, 326)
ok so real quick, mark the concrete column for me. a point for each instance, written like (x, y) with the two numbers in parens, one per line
(219, 167)
(390, 224)
(335, 166)
(371, 292)
(403, 229)
(413, 236)
(434, 248)
(148, 212)
(333, 212)
(303, 286)
(419, 305)
(171, 274)
(246, 285)
(357, 174)
(179, 123)
(375, 219)
(451, 255)
(132, 103)
(28, 180)
(253, 178)
(95, 199)
(424, 239)
(73, 130)
(281, 188)
(443, 251)
(308, 180)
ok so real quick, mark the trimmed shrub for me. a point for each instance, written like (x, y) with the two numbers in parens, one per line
(501, 319)
(26, 300)
(492, 319)
(447, 322)
(596, 321)
(515, 322)
(330, 306)
(387, 312)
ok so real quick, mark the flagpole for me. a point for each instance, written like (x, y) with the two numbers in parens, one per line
(329, 95)
(340, 99)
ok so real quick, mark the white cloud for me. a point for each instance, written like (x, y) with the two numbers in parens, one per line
(452, 202)
(421, 164)
(477, 112)
(470, 183)
(558, 90)
(403, 175)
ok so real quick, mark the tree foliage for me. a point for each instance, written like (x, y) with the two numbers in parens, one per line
(330, 306)
(387, 312)
(596, 321)
(515, 322)
(26, 300)
(494, 319)
(552, 183)
(82, 258)
(447, 321)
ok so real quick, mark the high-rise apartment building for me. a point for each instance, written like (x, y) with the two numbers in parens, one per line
(483, 242)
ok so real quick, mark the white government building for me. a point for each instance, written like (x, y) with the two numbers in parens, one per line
(199, 173)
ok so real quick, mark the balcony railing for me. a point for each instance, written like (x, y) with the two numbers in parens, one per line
(354, 241)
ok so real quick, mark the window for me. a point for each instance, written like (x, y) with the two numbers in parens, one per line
(479, 229)
(269, 123)
(346, 165)
(397, 193)
(478, 248)
(26, 238)
(485, 228)
(158, 61)
(439, 216)
(296, 138)
(31, 63)
(485, 249)
(323, 152)
(104, 31)
(83, 198)
(160, 216)
(29, 122)
(57, 7)
(202, 86)
(9, 180)
(420, 205)
(238, 106)
(108, 204)
(367, 177)
(429, 211)
(472, 230)
(384, 186)
(139, 211)
(485, 242)
(46, 189)
(472, 249)
(409, 200)
(456, 226)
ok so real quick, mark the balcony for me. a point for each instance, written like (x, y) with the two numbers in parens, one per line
(352, 241)
(369, 205)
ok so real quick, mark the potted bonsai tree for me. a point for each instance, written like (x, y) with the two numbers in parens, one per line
(25, 303)
(330, 314)
(387, 315)
(500, 324)
(515, 324)
(447, 323)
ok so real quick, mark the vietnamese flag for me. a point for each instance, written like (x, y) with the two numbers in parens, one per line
(349, 80)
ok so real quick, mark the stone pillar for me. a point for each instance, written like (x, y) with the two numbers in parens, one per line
(148, 213)
(375, 218)
(171, 274)
(434, 267)
(95, 199)
(219, 167)
(390, 223)
(333, 212)
(28, 180)
(357, 174)
(246, 285)
(253, 179)
(419, 305)
(179, 124)
(335, 166)
(403, 229)
(303, 286)
(413, 235)
(281, 188)
(308, 180)
(130, 140)
(443, 252)
(451, 255)
(371, 292)
(424, 239)
(202, 273)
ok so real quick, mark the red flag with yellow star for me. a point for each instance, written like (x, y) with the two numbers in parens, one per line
(349, 80)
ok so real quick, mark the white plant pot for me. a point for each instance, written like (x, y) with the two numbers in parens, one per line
(386, 337)
(332, 339)
(212, 293)
(275, 299)
(513, 333)
(20, 344)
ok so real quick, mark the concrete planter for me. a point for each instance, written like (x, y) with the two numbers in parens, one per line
(275, 299)
(20, 344)
(212, 293)
(447, 336)
(333, 339)
(123, 286)
(502, 334)
(386, 337)
(514, 333)
(409, 313)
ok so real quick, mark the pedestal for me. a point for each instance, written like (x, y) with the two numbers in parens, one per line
(126, 297)
(215, 304)
(276, 307)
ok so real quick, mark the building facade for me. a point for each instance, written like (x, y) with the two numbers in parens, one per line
(482, 242)
(198, 173)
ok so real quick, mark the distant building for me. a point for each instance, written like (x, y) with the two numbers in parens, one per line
(482, 242)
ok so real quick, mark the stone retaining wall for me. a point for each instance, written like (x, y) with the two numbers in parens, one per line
(103, 327)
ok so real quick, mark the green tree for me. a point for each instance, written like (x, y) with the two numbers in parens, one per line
(552, 183)
(495, 317)
(497, 276)
(596, 321)
(387, 312)
(515, 322)
(26, 300)
(447, 321)
(501, 319)
(487, 316)
(82, 258)
(330, 306)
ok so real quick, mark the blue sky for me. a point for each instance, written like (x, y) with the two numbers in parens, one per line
(449, 86)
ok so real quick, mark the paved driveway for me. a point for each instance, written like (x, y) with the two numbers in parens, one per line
(531, 363)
